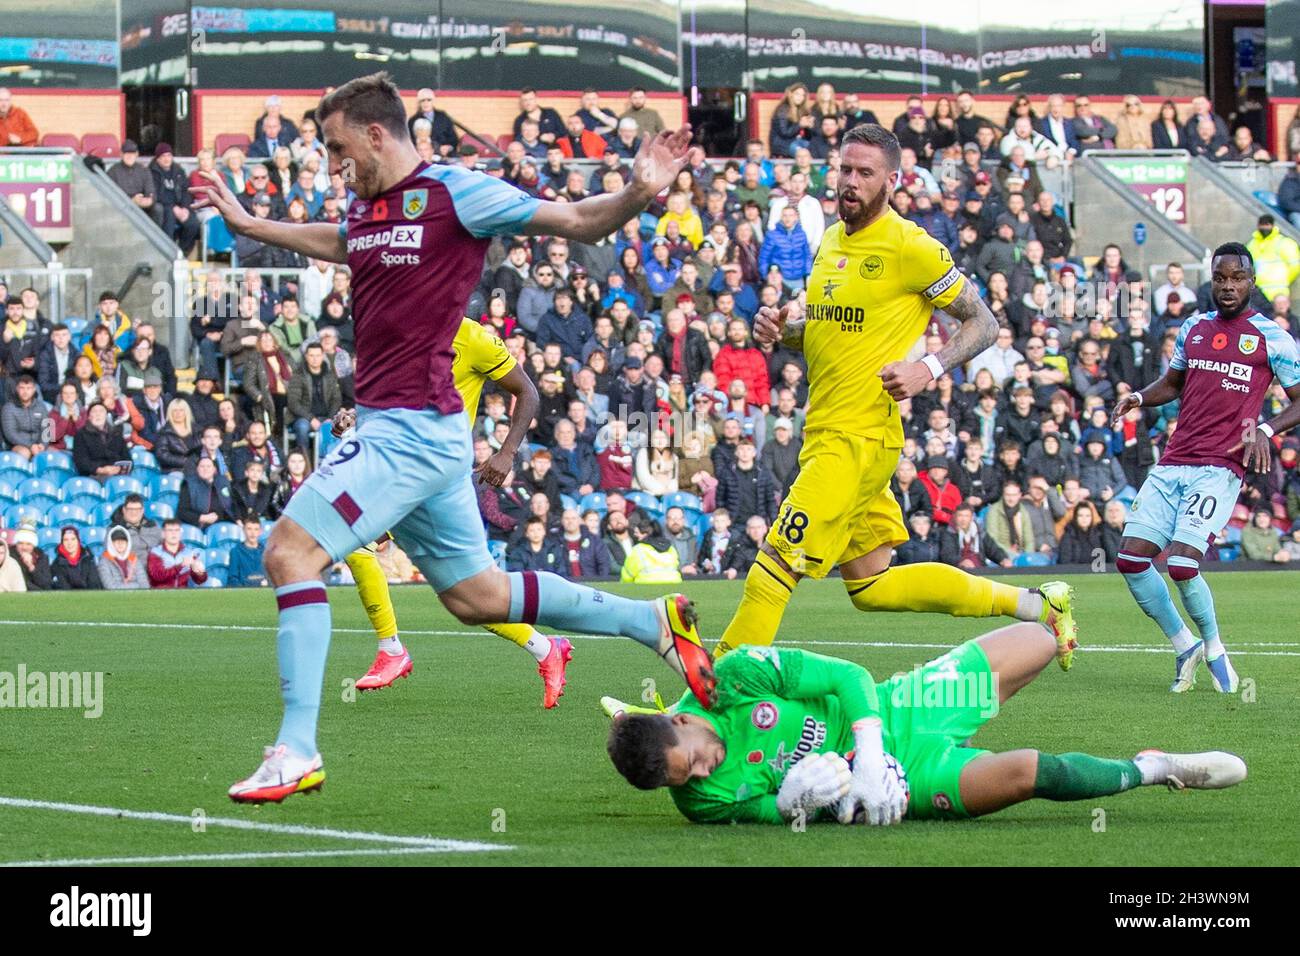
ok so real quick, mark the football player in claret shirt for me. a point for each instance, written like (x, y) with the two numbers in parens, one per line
(877, 279)
(415, 240)
(480, 357)
(798, 736)
(1223, 364)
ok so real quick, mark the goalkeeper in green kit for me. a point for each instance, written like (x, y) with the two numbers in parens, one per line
(797, 735)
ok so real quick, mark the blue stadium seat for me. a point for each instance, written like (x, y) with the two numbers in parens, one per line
(217, 577)
(498, 551)
(216, 558)
(593, 501)
(1229, 553)
(13, 476)
(194, 537)
(88, 503)
(1232, 535)
(76, 325)
(217, 237)
(144, 459)
(8, 493)
(119, 486)
(94, 537)
(703, 523)
(224, 532)
(48, 461)
(169, 482)
(568, 501)
(646, 502)
(684, 500)
(47, 537)
(1034, 560)
(79, 486)
(160, 511)
(38, 488)
(64, 514)
(12, 460)
(51, 552)
(104, 513)
(17, 514)
(1270, 199)
(169, 498)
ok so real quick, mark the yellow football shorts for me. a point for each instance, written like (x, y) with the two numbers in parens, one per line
(840, 507)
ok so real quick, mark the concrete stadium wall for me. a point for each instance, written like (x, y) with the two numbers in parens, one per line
(489, 113)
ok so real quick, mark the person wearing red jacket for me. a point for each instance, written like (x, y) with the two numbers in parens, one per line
(171, 564)
(16, 127)
(740, 359)
(945, 496)
(578, 142)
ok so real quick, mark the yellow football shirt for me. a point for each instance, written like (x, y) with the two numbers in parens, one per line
(478, 355)
(870, 296)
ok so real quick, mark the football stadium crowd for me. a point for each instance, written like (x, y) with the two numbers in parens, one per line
(665, 437)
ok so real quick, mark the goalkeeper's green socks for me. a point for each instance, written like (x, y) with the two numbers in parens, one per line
(1081, 776)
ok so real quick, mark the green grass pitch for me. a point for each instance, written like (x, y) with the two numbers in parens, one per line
(462, 750)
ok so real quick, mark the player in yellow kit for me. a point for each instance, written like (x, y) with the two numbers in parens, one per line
(479, 357)
(876, 280)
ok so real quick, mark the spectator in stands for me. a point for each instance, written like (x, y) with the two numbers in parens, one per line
(266, 381)
(20, 343)
(172, 197)
(101, 352)
(781, 455)
(274, 132)
(626, 141)
(252, 493)
(239, 339)
(74, 567)
(1081, 542)
(1010, 525)
(742, 550)
(1050, 229)
(1092, 131)
(923, 543)
(292, 331)
(442, 129)
(1174, 285)
(549, 124)
(1132, 131)
(205, 496)
(22, 420)
(217, 447)
(1288, 195)
(1099, 473)
(1058, 128)
(787, 250)
(16, 127)
(133, 365)
(968, 121)
(585, 554)
(246, 568)
(172, 564)
(683, 538)
(656, 466)
(536, 298)
(1034, 145)
(67, 416)
(536, 551)
(1166, 131)
(747, 487)
(1207, 141)
(566, 326)
(1260, 541)
(144, 532)
(313, 395)
(574, 462)
(1201, 110)
(151, 404)
(135, 179)
(944, 493)
(54, 361)
(32, 562)
(255, 445)
(1277, 258)
(99, 449)
(579, 141)
(791, 121)
(647, 118)
(119, 567)
(652, 558)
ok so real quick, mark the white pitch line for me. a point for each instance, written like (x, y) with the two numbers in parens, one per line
(219, 857)
(295, 829)
(267, 628)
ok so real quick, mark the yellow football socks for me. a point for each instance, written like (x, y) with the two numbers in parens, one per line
(372, 588)
(933, 587)
(768, 587)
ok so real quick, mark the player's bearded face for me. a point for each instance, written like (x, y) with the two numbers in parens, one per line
(1231, 284)
(865, 181)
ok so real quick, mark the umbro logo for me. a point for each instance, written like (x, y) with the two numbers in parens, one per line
(1196, 339)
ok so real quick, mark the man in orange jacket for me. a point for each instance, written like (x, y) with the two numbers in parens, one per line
(16, 127)
(578, 142)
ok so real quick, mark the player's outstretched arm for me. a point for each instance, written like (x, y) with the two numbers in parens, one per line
(979, 330)
(319, 240)
(1163, 390)
(495, 469)
(589, 220)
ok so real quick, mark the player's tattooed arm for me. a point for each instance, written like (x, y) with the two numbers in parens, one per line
(978, 330)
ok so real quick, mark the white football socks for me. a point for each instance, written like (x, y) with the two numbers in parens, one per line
(1029, 605)
(392, 646)
(539, 645)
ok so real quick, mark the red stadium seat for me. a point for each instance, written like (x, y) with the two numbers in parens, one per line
(62, 141)
(103, 145)
(224, 141)
(504, 140)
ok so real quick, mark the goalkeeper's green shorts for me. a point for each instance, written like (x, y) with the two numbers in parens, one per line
(929, 714)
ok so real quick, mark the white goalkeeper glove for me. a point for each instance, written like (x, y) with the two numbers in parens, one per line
(875, 789)
(819, 780)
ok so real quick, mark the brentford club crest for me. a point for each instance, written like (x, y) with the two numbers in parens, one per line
(764, 715)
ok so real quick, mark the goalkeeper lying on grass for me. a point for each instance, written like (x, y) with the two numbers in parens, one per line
(799, 735)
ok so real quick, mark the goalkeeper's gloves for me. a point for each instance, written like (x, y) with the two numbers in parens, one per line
(875, 789)
(819, 780)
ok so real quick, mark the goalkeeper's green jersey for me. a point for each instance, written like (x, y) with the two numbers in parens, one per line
(775, 707)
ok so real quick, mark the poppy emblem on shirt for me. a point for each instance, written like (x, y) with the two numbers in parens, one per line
(844, 260)
(1248, 344)
(1219, 342)
(380, 210)
(414, 202)
(755, 756)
